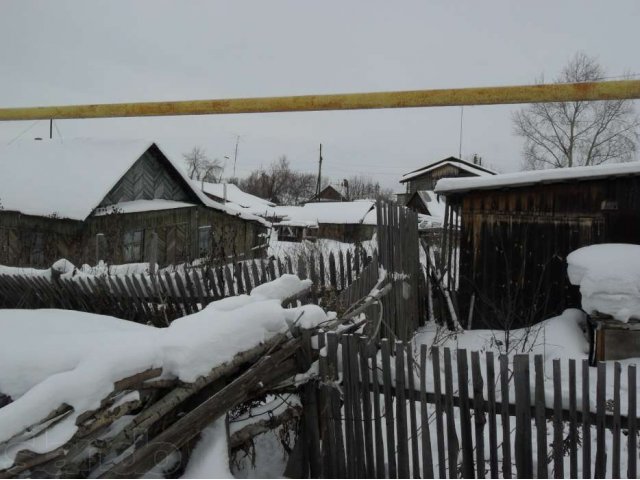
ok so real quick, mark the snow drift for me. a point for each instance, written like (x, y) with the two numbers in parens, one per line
(609, 279)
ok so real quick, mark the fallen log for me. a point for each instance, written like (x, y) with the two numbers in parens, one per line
(269, 369)
(145, 419)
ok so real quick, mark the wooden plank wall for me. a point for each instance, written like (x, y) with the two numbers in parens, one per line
(392, 423)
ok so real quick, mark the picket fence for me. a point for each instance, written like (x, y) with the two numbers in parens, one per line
(365, 419)
(160, 298)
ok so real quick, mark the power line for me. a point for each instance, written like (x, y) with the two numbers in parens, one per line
(23, 132)
(55, 124)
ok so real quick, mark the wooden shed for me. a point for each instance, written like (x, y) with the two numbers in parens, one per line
(425, 178)
(515, 231)
(117, 201)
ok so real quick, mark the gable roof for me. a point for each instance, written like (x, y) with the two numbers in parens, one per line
(70, 178)
(521, 179)
(472, 168)
(326, 193)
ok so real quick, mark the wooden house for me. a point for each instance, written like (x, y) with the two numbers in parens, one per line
(420, 183)
(515, 231)
(329, 194)
(117, 201)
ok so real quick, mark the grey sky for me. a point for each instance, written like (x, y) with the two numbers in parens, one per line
(66, 52)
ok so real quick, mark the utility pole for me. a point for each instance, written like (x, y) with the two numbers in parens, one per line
(50, 128)
(319, 184)
(235, 157)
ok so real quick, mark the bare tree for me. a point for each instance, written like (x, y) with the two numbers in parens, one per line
(581, 133)
(364, 187)
(201, 167)
(279, 183)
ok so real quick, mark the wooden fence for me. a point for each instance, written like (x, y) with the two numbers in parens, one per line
(446, 420)
(403, 308)
(167, 295)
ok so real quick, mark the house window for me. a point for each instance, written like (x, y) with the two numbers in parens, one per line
(133, 246)
(204, 240)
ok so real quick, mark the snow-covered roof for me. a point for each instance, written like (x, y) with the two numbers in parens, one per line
(235, 195)
(70, 178)
(238, 199)
(435, 206)
(328, 212)
(520, 179)
(141, 206)
(456, 162)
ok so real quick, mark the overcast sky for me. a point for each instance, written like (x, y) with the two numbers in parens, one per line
(77, 52)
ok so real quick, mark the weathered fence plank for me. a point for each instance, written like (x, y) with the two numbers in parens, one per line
(465, 415)
(506, 430)
(615, 450)
(586, 424)
(401, 414)
(573, 421)
(437, 389)
(541, 419)
(415, 450)
(601, 450)
(632, 435)
(363, 353)
(427, 460)
(452, 436)
(558, 447)
(523, 448)
(478, 413)
(492, 413)
(388, 408)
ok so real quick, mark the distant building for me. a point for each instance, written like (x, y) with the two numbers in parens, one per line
(343, 221)
(517, 229)
(420, 183)
(89, 200)
(329, 194)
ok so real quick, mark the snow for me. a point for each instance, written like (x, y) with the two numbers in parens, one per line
(238, 199)
(609, 279)
(210, 457)
(141, 206)
(451, 185)
(479, 171)
(52, 357)
(329, 212)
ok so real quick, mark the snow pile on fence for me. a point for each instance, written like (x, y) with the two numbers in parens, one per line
(609, 279)
(51, 358)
